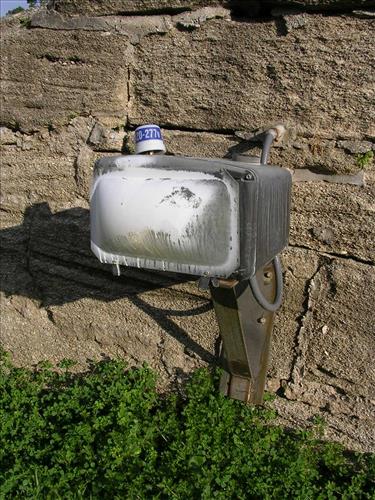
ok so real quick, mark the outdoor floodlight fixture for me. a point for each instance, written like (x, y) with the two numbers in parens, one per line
(220, 220)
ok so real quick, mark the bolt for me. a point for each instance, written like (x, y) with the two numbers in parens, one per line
(262, 320)
(248, 177)
(215, 282)
(268, 274)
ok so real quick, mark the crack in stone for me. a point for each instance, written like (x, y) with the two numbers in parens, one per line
(334, 255)
(300, 342)
(129, 90)
(259, 10)
(50, 315)
(161, 352)
(76, 172)
(173, 128)
(331, 375)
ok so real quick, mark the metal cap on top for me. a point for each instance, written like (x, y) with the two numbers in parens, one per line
(148, 139)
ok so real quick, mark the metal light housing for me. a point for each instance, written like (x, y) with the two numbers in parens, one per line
(204, 217)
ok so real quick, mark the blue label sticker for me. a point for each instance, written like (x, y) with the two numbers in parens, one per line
(148, 134)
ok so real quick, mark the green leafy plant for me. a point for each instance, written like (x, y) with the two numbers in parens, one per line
(119, 128)
(17, 10)
(72, 115)
(50, 127)
(128, 145)
(25, 22)
(109, 434)
(365, 159)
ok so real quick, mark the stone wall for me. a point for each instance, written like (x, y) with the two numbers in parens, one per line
(79, 77)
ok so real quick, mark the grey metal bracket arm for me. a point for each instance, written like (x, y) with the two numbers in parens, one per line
(245, 329)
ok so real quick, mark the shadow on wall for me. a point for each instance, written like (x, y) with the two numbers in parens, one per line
(48, 258)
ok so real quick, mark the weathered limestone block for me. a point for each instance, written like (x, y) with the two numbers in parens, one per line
(46, 178)
(203, 144)
(337, 344)
(131, 26)
(30, 336)
(134, 27)
(334, 369)
(334, 218)
(325, 156)
(52, 166)
(356, 147)
(306, 175)
(313, 5)
(353, 432)
(105, 139)
(131, 328)
(7, 136)
(294, 153)
(117, 7)
(243, 76)
(48, 79)
(249, 7)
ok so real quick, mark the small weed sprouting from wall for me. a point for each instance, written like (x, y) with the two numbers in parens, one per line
(364, 160)
(109, 434)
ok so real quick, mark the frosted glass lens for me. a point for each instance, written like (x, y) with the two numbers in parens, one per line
(171, 220)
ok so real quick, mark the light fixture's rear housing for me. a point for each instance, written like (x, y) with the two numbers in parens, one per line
(188, 215)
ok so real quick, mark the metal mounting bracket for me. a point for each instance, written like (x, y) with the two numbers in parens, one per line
(246, 330)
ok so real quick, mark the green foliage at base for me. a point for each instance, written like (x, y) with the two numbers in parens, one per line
(109, 434)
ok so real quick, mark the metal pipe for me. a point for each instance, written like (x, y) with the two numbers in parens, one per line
(270, 135)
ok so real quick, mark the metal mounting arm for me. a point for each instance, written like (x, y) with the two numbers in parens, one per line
(245, 329)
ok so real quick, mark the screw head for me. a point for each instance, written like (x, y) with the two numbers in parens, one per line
(262, 320)
(215, 282)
